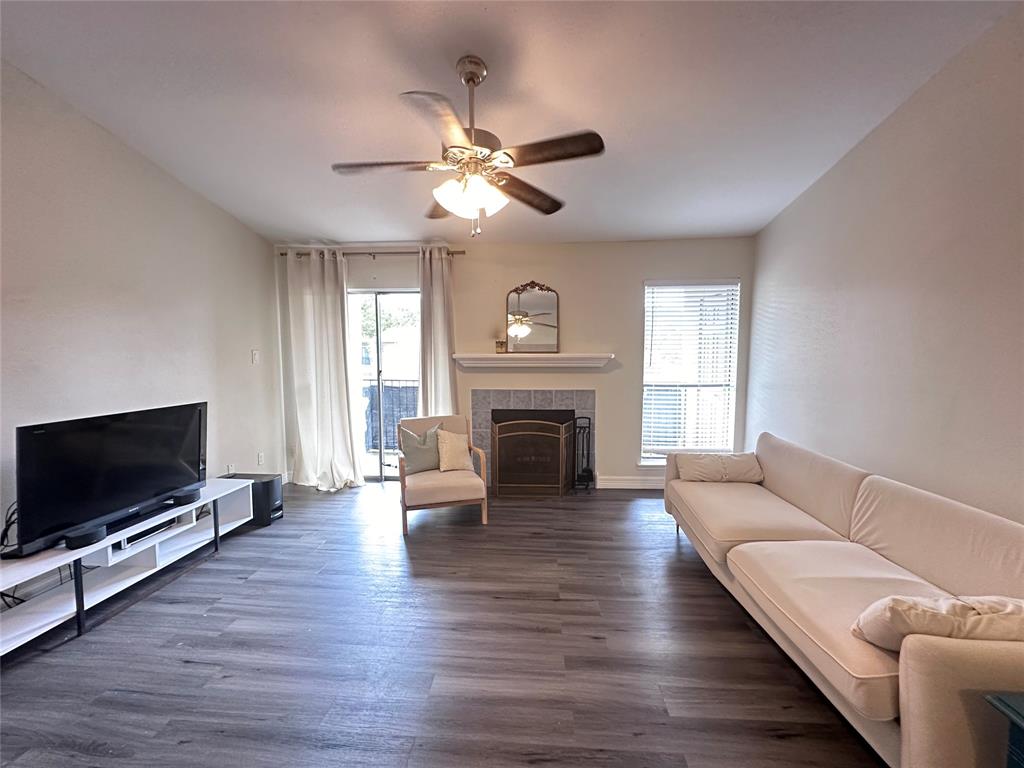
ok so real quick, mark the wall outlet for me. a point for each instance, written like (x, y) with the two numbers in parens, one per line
(255, 357)
(259, 458)
(231, 469)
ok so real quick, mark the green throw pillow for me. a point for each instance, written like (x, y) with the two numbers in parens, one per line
(420, 452)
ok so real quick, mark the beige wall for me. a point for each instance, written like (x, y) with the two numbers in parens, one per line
(888, 325)
(601, 310)
(122, 289)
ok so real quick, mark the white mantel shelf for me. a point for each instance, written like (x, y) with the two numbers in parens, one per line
(592, 360)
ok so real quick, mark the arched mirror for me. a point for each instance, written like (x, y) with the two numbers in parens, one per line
(531, 311)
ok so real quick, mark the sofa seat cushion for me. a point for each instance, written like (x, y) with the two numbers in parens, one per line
(436, 487)
(723, 515)
(814, 591)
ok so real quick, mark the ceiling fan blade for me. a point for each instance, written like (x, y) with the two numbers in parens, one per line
(346, 169)
(581, 144)
(437, 211)
(439, 112)
(528, 194)
(545, 325)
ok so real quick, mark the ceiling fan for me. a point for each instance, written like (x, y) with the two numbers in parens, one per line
(482, 165)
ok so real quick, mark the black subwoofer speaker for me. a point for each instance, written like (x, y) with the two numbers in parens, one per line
(267, 497)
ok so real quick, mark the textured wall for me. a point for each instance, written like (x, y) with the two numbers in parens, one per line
(888, 325)
(122, 289)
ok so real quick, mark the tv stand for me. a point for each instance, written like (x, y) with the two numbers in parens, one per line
(118, 561)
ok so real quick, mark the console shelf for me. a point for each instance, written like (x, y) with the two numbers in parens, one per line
(116, 569)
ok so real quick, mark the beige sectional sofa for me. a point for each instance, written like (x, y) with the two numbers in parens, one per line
(809, 548)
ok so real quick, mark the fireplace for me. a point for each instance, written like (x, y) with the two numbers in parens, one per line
(533, 451)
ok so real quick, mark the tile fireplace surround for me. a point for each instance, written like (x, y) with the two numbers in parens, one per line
(583, 401)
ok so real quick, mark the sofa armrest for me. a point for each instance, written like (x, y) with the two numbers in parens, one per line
(671, 473)
(944, 717)
(671, 468)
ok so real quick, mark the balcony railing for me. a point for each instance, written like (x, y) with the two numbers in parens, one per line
(400, 401)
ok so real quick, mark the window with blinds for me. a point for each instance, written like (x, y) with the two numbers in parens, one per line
(691, 333)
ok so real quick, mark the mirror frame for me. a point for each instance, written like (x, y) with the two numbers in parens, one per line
(520, 290)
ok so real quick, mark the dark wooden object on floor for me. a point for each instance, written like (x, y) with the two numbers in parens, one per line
(579, 631)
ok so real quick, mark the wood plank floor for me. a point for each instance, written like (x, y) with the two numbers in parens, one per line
(569, 632)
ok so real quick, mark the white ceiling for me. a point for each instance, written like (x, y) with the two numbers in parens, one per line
(715, 115)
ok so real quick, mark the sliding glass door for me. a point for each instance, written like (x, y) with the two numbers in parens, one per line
(387, 382)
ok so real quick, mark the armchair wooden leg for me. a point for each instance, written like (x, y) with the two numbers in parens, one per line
(405, 521)
(677, 529)
(483, 511)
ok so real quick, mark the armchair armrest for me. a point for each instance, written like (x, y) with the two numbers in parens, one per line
(482, 458)
(944, 717)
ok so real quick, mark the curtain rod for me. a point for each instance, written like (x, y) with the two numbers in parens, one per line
(374, 254)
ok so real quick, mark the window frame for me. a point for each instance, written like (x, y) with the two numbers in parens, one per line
(659, 460)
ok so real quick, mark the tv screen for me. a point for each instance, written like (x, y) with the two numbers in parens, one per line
(74, 475)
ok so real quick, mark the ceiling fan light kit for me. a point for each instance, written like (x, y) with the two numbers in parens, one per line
(482, 182)
(467, 195)
(518, 328)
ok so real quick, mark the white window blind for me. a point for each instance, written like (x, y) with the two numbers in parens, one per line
(690, 337)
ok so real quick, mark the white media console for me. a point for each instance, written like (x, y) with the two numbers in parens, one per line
(118, 566)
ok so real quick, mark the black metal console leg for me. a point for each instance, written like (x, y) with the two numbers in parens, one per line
(76, 572)
(216, 526)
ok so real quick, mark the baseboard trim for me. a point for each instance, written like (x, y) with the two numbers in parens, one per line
(631, 482)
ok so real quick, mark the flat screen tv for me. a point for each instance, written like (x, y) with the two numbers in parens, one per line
(77, 476)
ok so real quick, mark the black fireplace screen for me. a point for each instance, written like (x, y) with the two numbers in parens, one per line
(533, 451)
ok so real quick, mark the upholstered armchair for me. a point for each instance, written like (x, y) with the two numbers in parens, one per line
(433, 488)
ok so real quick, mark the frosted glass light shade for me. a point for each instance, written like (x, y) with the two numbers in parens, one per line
(467, 196)
(518, 330)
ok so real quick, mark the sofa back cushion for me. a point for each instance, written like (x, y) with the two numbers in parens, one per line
(822, 487)
(718, 467)
(961, 549)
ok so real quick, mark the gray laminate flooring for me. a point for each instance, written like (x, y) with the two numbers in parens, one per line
(572, 632)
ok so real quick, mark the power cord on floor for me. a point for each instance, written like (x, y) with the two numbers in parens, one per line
(11, 599)
(10, 518)
(60, 574)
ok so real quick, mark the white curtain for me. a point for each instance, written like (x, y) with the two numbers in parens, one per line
(437, 336)
(326, 450)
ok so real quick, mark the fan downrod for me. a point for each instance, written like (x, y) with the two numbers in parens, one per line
(471, 69)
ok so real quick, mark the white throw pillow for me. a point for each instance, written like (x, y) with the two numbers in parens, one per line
(719, 467)
(887, 621)
(453, 451)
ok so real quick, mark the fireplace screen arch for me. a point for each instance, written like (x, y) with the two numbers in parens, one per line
(533, 452)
